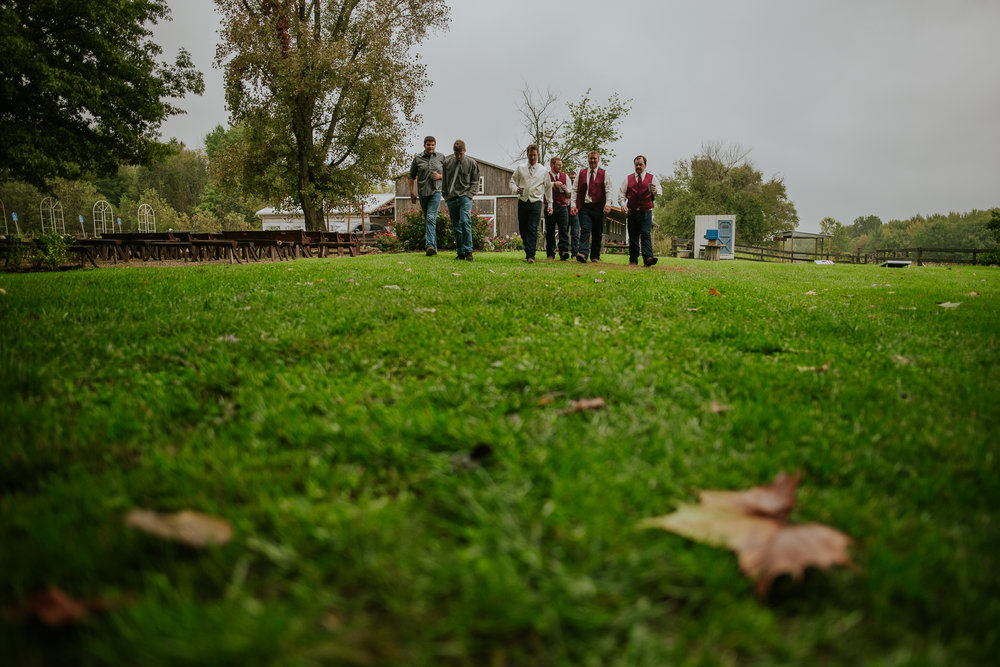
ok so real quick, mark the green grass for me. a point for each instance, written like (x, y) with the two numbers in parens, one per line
(331, 419)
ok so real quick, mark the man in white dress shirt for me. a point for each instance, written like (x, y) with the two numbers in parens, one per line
(557, 211)
(636, 194)
(530, 182)
(593, 202)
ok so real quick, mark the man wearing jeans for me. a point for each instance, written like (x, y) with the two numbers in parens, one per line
(593, 194)
(425, 172)
(530, 182)
(557, 211)
(461, 182)
(636, 194)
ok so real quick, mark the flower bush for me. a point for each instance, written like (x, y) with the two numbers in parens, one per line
(387, 241)
(507, 242)
(410, 231)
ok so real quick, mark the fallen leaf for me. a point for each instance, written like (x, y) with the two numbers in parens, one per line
(692, 310)
(598, 280)
(409, 270)
(901, 360)
(390, 286)
(55, 609)
(456, 274)
(188, 527)
(491, 270)
(753, 524)
(847, 295)
(905, 308)
(949, 304)
(973, 294)
(718, 408)
(544, 400)
(816, 369)
(228, 338)
(2, 291)
(425, 310)
(811, 292)
(602, 272)
(714, 292)
(584, 404)
(577, 275)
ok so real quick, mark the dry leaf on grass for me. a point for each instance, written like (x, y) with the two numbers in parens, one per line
(815, 369)
(228, 338)
(390, 286)
(811, 292)
(718, 408)
(901, 360)
(949, 304)
(714, 292)
(973, 294)
(753, 524)
(55, 609)
(188, 527)
(598, 280)
(584, 404)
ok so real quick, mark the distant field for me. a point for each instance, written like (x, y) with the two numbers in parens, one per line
(391, 439)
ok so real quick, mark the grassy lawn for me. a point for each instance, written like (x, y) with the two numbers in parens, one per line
(329, 408)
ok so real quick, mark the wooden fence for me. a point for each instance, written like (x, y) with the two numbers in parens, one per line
(918, 256)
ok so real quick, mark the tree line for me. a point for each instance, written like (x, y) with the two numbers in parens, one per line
(181, 188)
(972, 230)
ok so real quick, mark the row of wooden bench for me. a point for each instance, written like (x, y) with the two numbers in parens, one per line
(234, 246)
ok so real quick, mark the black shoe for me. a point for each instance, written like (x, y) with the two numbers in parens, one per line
(563, 257)
(468, 256)
(580, 258)
(431, 251)
(461, 256)
(649, 261)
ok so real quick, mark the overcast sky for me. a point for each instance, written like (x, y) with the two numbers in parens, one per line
(884, 107)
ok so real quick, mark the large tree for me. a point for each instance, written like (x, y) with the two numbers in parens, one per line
(722, 180)
(585, 126)
(323, 93)
(82, 88)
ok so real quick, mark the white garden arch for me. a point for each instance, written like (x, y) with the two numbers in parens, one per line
(104, 217)
(51, 211)
(147, 218)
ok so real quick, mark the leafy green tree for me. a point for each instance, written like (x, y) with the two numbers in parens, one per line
(223, 195)
(839, 240)
(82, 88)
(722, 180)
(323, 92)
(586, 126)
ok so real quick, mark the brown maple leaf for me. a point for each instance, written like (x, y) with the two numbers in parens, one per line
(753, 524)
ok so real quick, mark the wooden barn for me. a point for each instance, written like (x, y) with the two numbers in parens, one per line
(496, 203)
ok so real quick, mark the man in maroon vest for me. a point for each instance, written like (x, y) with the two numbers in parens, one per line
(636, 194)
(557, 211)
(593, 194)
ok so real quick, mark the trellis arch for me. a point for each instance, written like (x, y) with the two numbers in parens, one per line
(103, 216)
(147, 218)
(52, 210)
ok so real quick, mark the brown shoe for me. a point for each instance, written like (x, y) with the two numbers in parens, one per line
(649, 261)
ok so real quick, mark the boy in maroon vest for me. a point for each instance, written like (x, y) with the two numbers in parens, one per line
(593, 194)
(636, 194)
(557, 211)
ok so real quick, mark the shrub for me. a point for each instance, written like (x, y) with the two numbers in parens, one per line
(507, 242)
(52, 250)
(387, 241)
(410, 230)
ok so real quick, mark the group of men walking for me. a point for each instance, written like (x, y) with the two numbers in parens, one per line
(574, 208)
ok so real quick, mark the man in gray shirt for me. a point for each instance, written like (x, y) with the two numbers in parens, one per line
(461, 183)
(425, 173)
